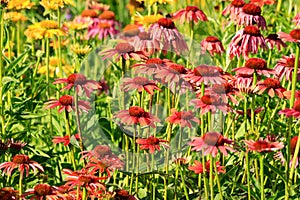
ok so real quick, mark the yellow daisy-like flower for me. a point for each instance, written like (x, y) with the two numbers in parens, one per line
(55, 4)
(19, 4)
(54, 69)
(80, 51)
(147, 20)
(151, 2)
(44, 29)
(14, 16)
(76, 26)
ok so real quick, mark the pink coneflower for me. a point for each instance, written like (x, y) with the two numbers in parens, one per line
(43, 191)
(204, 74)
(272, 86)
(137, 115)
(8, 193)
(126, 51)
(66, 102)
(292, 112)
(263, 145)
(102, 29)
(296, 19)
(225, 91)
(190, 13)
(183, 118)
(198, 167)
(254, 65)
(166, 32)
(250, 15)
(273, 40)
(293, 36)
(151, 66)
(246, 41)
(104, 86)
(285, 67)
(210, 103)
(234, 8)
(139, 84)
(263, 2)
(213, 45)
(144, 42)
(23, 163)
(79, 82)
(99, 152)
(210, 143)
(64, 139)
(15, 146)
(152, 143)
(244, 83)
(106, 164)
(173, 73)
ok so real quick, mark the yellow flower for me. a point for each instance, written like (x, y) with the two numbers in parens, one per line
(54, 69)
(77, 26)
(80, 51)
(151, 2)
(147, 20)
(14, 16)
(44, 29)
(19, 4)
(55, 4)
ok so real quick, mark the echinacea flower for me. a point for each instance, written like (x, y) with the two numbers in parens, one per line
(293, 36)
(246, 41)
(66, 102)
(123, 195)
(150, 66)
(254, 65)
(102, 29)
(285, 67)
(263, 145)
(292, 112)
(296, 19)
(272, 86)
(250, 15)
(190, 13)
(79, 82)
(173, 73)
(106, 164)
(15, 146)
(8, 193)
(64, 139)
(140, 84)
(198, 167)
(204, 74)
(23, 163)
(152, 143)
(226, 91)
(166, 32)
(273, 40)
(213, 45)
(210, 103)
(126, 51)
(3, 147)
(210, 143)
(233, 9)
(261, 3)
(144, 42)
(137, 115)
(147, 20)
(183, 118)
(43, 191)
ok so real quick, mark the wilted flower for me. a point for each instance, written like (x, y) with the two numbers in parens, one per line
(213, 45)
(152, 143)
(190, 13)
(250, 15)
(183, 118)
(263, 145)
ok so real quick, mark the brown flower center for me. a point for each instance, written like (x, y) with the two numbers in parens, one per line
(166, 23)
(252, 30)
(78, 79)
(85, 179)
(273, 37)
(42, 189)
(131, 30)
(290, 62)
(251, 9)
(213, 139)
(104, 25)
(262, 145)
(20, 159)
(210, 99)
(153, 141)
(145, 36)
(185, 115)
(101, 150)
(272, 83)
(136, 111)
(256, 63)
(178, 68)
(238, 3)
(66, 100)
(154, 61)
(297, 105)
(124, 48)
(212, 39)
(205, 70)
(192, 8)
(222, 88)
(89, 13)
(295, 34)
(109, 15)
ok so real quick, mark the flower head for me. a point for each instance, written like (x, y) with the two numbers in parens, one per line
(213, 45)
(293, 36)
(273, 87)
(144, 42)
(210, 103)
(198, 167)
(254, 65)
(7, 193)
(285, 67)
(263, 145)
(151, 66)
(64, 139)
(250, 15)
(273, 40)
(183, 118)
(296, 19)
(66, 102)
(233, 9)
(292, 112)
(43, 191)
(152, 143)
(139, 83)
(204, 74)
(19, 5)
(190, 13)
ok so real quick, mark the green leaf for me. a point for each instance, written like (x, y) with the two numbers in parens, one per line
(142, 192)
(241, 132)
(7, 79)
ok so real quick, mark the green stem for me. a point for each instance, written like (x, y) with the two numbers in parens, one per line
(59, 46)
(262, 189)
(211, 181)
(295, 157)
(20, 185)
(48, 83)
(84, 197)
(78, 120)
(248, 176)
(279, 5)
(218, 181)
(68, 132)
(182, 174)
(294, 80)
(18, 38)
(1, 71)
(204, 178)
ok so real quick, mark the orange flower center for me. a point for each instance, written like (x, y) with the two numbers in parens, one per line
(238, 3)
(256, 63)
(192, 8)
(297, 105)
(136, 111)
(101, 150)
(124, 48)
(295, 34)
(272, 83)
(153, 141)
(178, 68)
(212, 39)
(205, 70)
(20, 159)
(290, 62)
(66, 100)
(42, 189)
(252, 30)
(209, 99)
(85, 179)
(154, 61)
(104, 25)
(109, 15)
(78, 79)
(213, 139)
(261, 145)
(145, 36)
(89, 13)
(251, 9)
(166, 23)
(131, 30)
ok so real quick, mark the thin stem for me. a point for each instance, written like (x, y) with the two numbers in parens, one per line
(68, 132)
(182, 174)
(1, 71)
(211, 181)
(295, 157)
(78, 120)
(84, 197)
(248, 176)
(218, 181)
(20, 185)
(295, 74)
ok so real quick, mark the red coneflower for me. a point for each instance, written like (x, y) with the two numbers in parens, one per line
(99, 152)
(80, 83)
(106, 164)
(8, 193)
(213, 45)
(123, 195)
(166, 32)
(292, 112)
(140, 84)
(152, 143)
(244, 83)
(254, 65)
(285, 67)
(103, 28)
(137, 115)
(151, 66)
(198, 167)
(293, 36)
(144, 42)
(273, 87)
(263, 145)
(263, 2)
(234, 8)
(273, 40)
(43, 191)
(64, 139)
(210, 103)
(126, 51)
(250, 15)
(210, 143)
(190, 13)
(246, 41)
(183, 118)
(66, 102)
(23, 163)
(296, 19)
(225, 91)
(173, 73)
